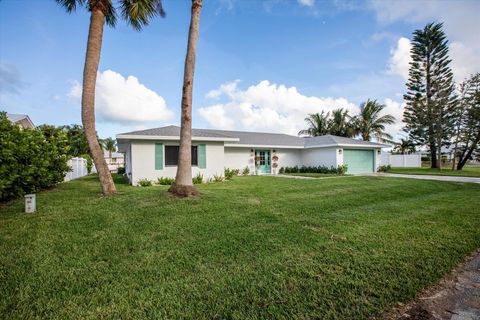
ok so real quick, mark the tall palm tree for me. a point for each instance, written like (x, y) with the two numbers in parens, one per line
(183, 185)
(405, 146)
(341, 124)
(109, 145)
(369, 124)
(318, 125)
(137, 13)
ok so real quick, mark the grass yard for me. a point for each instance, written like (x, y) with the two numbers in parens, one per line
(252, 248)
(467, 171)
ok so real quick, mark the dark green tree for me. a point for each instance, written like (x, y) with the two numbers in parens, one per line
(371, 124)
(468, 120)
(430, 98)
(405, 146)
(317, 125)
(341, 124)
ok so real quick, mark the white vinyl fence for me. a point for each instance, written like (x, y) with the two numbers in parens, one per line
(401, 160)
(79, 169)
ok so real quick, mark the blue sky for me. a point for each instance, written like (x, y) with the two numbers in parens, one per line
(261, 65)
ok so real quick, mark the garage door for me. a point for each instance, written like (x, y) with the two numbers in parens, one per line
(358, 160)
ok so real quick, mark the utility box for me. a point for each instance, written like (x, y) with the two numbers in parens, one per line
(30, 203)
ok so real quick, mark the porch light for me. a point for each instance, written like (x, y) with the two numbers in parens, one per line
(379, 151)
(339, 151)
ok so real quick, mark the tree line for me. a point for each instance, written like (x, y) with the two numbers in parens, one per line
(368, 124)
(438, 113)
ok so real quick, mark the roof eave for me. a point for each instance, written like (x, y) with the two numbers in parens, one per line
(349, 145)
(238, 145)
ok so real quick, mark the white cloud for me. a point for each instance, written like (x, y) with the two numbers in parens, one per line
(399, 61)
(460, 22)
(75, 90)
(266, 107)
(307, 3)
(395, 109)
(125, 100)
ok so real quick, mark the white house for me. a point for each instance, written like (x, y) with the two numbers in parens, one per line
(22, 120)
(153, 153)
(115, 161)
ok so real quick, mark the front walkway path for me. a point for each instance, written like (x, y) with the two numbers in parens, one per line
(429, 177)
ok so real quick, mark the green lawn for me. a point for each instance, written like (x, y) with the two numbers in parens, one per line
(315, 175)
(252, 248)
(472, 171)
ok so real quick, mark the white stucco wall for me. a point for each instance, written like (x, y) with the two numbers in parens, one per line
(239, 158)
(320, 157)
(143, 161)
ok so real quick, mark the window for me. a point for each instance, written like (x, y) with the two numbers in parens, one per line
(171, 155)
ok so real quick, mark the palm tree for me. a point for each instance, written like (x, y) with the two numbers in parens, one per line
(341, 124)
(137, 13)
(183, 185)
(109, 145)
(318, 125)
(405, 146)
(369, 124)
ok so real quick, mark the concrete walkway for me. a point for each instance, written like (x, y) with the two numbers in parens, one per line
(428, 177)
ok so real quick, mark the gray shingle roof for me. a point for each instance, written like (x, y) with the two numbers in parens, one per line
(338, 141)
(257, 138)
(174, 131)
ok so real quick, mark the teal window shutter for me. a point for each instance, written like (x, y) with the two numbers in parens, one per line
(158, 156)
(202, 156)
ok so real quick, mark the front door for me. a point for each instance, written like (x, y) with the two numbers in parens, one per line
(263, 161)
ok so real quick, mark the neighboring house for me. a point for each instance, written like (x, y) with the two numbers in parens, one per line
(115, 162)
(21, 120)
(153, 153)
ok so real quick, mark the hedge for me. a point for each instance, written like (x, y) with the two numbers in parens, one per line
(30, 159)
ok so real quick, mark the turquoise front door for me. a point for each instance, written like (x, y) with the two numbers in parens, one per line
(358, 160)
(263, 161)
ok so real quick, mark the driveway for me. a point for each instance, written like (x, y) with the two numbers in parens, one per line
(427, 177)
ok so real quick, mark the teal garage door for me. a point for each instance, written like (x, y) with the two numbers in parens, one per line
(358, 160)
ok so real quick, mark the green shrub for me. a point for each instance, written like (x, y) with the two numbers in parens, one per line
(246, 171)
(30, 159)
(313, 169)
(165, 181)
(121, 170)
(230, 173)
(145, 182)
(198, 179)
(384, 168)
(218, 178)
(342, 169)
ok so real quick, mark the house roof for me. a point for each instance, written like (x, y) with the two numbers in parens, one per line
(17, 118)
(173, 133)
(329, 140)
(248, 139)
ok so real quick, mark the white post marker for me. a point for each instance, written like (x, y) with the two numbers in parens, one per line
(30, 203)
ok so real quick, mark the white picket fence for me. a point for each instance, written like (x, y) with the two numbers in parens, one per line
(401, 160)
(79, 169)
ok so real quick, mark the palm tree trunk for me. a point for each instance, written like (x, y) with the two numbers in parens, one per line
(90, 70)
(183, 185)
